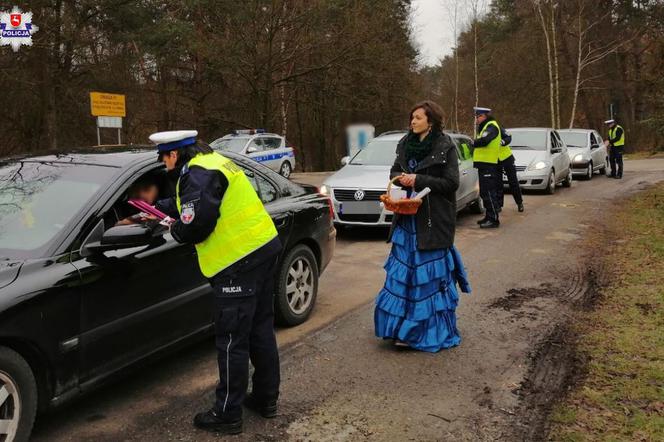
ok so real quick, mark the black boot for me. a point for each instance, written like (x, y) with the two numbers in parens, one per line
(482, 221)
(211, 421)
(267, 409)
(490, 224)
(520, 207)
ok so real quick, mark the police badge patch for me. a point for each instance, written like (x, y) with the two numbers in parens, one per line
(188, 213)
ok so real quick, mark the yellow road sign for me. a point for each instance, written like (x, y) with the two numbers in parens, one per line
(107, 105)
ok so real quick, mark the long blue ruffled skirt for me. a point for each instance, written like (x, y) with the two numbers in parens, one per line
(418, 302)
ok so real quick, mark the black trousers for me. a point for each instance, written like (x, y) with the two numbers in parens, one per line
(487, 174)
(616, 159)
(509, 168)
(244, 330)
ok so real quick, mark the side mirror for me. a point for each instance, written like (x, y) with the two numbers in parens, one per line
(251, 149)
(595, 146)
(345, 160)
(122, 237)
(556, 149)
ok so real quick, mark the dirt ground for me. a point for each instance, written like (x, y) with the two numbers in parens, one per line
(339, 383)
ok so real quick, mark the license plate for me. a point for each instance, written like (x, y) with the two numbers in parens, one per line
(360, 207)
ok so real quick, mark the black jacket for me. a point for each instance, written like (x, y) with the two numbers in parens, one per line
(436, 217)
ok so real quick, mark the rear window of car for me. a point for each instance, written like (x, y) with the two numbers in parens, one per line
(37, 201)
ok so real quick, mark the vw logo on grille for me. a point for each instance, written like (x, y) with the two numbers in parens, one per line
(359, 195)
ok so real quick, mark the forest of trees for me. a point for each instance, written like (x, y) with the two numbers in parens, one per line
(307, 68)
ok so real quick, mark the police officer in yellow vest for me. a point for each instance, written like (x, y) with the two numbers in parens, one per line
(217, 209)
(485, 160)
(506, 165)
(616, 147)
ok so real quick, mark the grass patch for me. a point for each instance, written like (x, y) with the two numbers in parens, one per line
(622, 397)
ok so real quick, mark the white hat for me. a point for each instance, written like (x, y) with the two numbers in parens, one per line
(481, 110)
(611, 121)
(173, 139)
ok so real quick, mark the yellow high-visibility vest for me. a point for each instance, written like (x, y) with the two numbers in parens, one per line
(243, 226)
(612, 134)
(490, 152)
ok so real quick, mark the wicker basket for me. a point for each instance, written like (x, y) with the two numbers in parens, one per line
(403, 206)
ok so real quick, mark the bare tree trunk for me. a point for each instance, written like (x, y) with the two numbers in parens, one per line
(577, 81)
(555, 63)
(538, 6)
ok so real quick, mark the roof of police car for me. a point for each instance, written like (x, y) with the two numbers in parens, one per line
(109, 156)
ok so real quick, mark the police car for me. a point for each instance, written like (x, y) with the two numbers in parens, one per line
(270, 150)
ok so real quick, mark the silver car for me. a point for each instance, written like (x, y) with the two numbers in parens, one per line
(270, 150)
(587, 151)
(541, 159)
(356, 188)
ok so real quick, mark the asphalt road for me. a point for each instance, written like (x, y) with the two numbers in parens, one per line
(340, 383)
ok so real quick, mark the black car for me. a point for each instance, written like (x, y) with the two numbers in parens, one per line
(82, 298)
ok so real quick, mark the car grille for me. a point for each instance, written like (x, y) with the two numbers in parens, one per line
(349, 194)
(520, 168)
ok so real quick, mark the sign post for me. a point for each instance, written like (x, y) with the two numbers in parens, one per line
(109, 110)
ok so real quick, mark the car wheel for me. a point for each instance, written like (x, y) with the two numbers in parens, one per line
(567, 182)
(551, 186)
(477, 206)
(18, 397)
(285, 169)
(297, 286)
(589, 172)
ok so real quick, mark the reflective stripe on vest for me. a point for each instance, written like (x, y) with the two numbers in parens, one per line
(612, 134)
(243, 226)
(490, 152)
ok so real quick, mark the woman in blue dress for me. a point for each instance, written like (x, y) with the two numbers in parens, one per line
(416, 307)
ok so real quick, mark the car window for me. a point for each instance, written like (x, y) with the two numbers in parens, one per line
(599, 138)
(554, 142)
(265, 189)
(559, 140)
(37, 201)
(574, 139)
(271, 143)
(230, 144)
(256, 143)
(528, 139)
(593, 140)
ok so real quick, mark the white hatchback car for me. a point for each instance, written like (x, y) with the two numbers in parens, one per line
(270, 150)
(541, 158)
(587, 151)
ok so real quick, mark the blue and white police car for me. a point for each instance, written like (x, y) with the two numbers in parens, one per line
(271, 150)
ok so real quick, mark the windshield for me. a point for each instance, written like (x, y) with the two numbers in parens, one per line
(574, 139)
(37, 200)
(230, 144)
(528, 139)
(377, 153)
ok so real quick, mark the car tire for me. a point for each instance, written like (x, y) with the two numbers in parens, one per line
(285, 169)
(476, 206)
(551, 185)
(589, 172)
(567, 182)
(19, 389)
(297, 286)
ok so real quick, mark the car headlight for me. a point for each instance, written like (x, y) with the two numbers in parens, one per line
(578, 158)
(324, 190)
(537, 166)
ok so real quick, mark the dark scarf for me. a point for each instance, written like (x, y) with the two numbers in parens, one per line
(417, 150)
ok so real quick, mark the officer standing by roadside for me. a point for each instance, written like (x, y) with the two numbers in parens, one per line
(217, 209)
(616, 147)
(506, 165)
(485, 160)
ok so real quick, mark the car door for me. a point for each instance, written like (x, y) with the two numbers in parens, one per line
(273, 152)
(135, 301)
(597, 150)
(254, 149)
(467, 173)
(556, 156)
